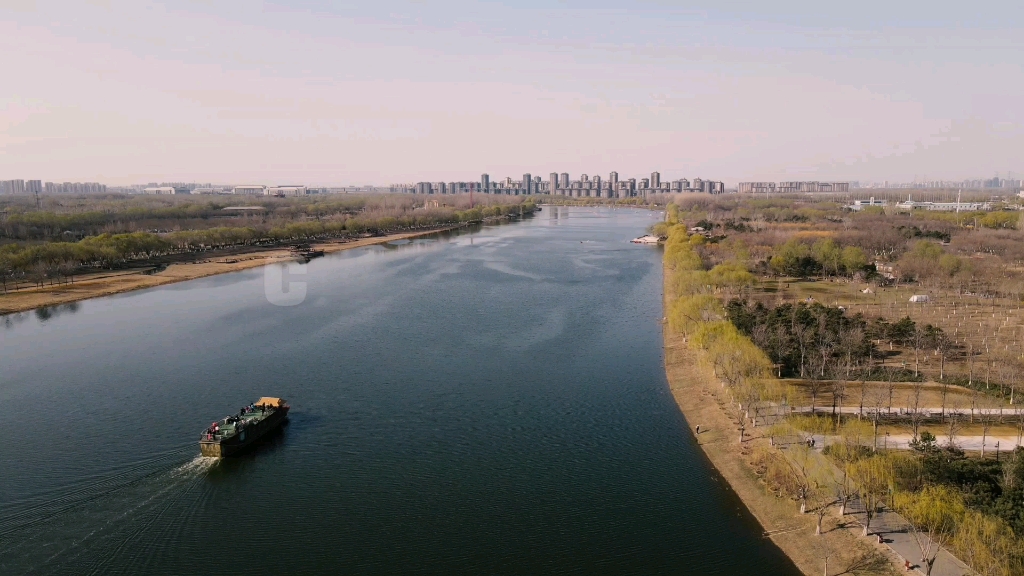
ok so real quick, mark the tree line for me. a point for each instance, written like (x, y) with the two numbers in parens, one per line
(812, 340)
(56, 261)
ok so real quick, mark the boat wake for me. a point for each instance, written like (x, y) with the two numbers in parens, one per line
(81, 528)
(196, 466)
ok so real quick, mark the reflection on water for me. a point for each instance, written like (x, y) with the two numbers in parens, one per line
(488, 402)
(42, 314)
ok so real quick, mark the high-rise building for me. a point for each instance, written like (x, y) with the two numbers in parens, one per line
(485, 183)
(527, 183)
(655, 180)
(12, 187)
(552, 182)
(564, 180)
(33, 186)
(614, 179)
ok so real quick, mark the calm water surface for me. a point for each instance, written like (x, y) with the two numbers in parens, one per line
(491, 403)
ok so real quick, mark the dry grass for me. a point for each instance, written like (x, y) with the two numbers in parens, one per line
(986, 329)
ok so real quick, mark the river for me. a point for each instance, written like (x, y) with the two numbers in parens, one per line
(492, 401)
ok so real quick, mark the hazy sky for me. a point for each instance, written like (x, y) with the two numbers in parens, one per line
(319, 92)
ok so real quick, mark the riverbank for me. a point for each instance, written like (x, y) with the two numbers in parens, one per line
(108, 282)
(703, 402)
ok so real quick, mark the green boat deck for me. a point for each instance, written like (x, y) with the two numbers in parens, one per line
(245, 421)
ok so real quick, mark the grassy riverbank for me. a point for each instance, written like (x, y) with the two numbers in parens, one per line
(107, 283)
(703, 401)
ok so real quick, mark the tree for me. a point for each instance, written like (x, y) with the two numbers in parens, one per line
(6, 269)
(944, 346)
(918, 339)
(986, 427)
(871, 475)
(854, 260)
(915, 412)
(829, 255)
(953, 426)
(988, 545)
(849, 449)
(933, 514)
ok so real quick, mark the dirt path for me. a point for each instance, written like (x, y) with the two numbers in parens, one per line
(108, 283)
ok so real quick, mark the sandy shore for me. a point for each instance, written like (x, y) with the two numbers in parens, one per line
(115, 282)
(701, 400)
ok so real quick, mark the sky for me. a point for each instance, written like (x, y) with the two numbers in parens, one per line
(351, 93)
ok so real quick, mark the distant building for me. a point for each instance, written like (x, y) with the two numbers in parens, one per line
(282, 191)
(791, 187)
(159, 190)
(485, 182)
(12, 187)
(252, 190)
(527, 183)
(756, 188)
(74, 188)
(945, 206)
(859, 205)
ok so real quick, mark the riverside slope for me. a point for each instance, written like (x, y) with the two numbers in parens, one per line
(695, 390)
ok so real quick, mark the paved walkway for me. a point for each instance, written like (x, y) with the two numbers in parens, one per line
(1008, 412)
(897, 535)
(971, 443)
(895, 530)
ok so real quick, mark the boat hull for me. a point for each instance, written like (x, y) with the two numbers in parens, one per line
(241, 442)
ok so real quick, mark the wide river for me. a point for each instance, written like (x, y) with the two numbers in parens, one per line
(490, 402)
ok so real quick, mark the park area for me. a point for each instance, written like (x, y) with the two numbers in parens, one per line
(869, 365)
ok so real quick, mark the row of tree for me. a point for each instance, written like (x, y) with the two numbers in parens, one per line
(812, 340)
(968, 506)
(60, 261)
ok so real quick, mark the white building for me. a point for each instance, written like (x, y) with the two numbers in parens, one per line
(159, 190)
(287, 191)
(859, 205)
(945, 206)
(254, 190)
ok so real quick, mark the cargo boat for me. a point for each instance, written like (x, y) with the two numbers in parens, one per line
(235, 433)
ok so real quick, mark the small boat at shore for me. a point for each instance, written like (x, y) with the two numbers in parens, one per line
(305, 252)
(648, 239)
(237, 432)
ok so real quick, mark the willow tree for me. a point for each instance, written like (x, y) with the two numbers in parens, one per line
(933, 514)
(872, 476)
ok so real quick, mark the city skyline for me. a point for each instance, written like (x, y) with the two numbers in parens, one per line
(305, 90)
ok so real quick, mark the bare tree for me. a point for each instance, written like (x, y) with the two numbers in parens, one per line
(918, 340)
(953, 426)
(890, 383)
(915, 412)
